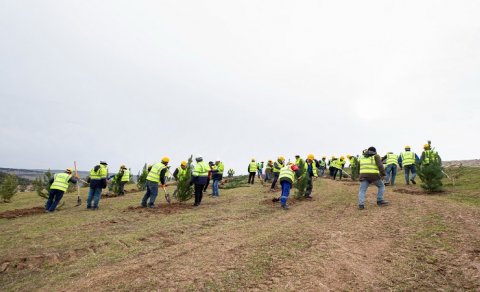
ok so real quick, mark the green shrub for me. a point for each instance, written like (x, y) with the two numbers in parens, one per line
(8, 188)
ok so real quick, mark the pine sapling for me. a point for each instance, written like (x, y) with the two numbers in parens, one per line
(8, 188)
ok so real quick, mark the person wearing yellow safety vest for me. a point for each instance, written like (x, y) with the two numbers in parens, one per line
(277, 166)
(371, 172)
(260, 170)
(391, 161)
(199, 178)
(429, 155)
(252, 170)
(288, 175)
(322, 165)
(217, 176)
(298, 160)
(407, 160)
(123, 177)
(155, 176)
(180, 171)
(332, 164)
(98, 181)
(338, 168)
(58, 186)
(269, 170)
(311, 170)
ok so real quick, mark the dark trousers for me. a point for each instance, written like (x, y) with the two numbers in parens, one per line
(275, 178)
(121, 188)
(337, 171)
(198, 194)
(206, 186)
(309, 189)
(54, 197)
(251, 178)
(331, 169)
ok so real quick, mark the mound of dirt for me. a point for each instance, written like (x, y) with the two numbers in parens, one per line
(275, 201)
(350, 183)
(22, 212)
(34, 262)
(409, 191)
(163, 209)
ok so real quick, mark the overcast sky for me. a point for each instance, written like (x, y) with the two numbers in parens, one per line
(132, 81)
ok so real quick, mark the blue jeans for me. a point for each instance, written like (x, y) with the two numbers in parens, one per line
(286, 186)
(268, 176)
(54, 197)
(259, 173)
(391, 173)
(215, 184)
(94, 194)
(152, 193)
(408, 169)
(321, 171)
(363, 189)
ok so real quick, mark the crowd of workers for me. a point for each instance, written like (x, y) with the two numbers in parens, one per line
(369, 163)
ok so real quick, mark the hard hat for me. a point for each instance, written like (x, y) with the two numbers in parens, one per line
(426, 146)
(123, 166)
(324, 157)
(348, 156)
(407, 147)
(342, 157)
(217, 160)
(103, 162)
(68, 170)
(184, 163)
(281, 158)
(310, 156)
(165, 159)
(199, 156)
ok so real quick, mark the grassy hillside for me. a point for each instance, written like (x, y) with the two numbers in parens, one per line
(21, 181)
(242, 241)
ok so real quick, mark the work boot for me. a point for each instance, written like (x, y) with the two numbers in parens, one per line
(361, 207)
(285, 207)
(387, 183)
(413, 181)
(143, 205)
(382, 203)
(308, 197)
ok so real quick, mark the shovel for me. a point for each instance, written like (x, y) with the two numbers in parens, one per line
(79, 201)
(167, 195)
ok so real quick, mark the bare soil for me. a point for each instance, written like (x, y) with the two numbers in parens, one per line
(22, 212)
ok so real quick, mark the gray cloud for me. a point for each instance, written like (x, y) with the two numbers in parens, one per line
(131, 82)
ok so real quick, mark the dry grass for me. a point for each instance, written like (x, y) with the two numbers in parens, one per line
(240, 242)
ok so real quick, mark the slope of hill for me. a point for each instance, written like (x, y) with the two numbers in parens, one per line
(242, 241)
(32, 174)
